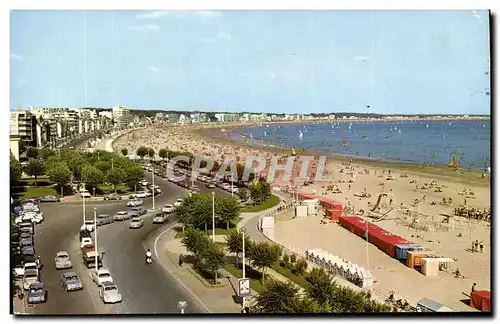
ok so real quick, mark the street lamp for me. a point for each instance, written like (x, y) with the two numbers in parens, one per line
(243, 231)
(213, 216)
(95, 239)
(182, 305)
(83, 197)
(232, 177)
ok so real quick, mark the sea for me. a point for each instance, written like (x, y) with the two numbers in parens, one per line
(424, 142)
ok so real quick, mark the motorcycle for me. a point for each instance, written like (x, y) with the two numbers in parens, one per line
(149, 260)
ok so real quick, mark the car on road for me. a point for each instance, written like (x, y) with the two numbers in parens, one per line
(26, 242)
(26, 235)
(47, 199)
(85, 194)
(88, 225)
(30, 207)
(136, 222)
(113, 196)
(178, 202)
(139, 194)
(30, 277)
(86, 241)
(210, 185)
(104, 219)
(225, 186)
(62, 260)
(71, 281)
(28, 250)
(233, 189)
(167, 208)
(160, 218)
(144, 183)
(37, 293)
(135, 202)
(122, 215)
(139, 211)
(108, 292)
(101, 276)
(195, 189)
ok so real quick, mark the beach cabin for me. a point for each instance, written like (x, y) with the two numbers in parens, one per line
(481, 300)
(301, 211)
(402, 250)
(267, 226)
(429, 305)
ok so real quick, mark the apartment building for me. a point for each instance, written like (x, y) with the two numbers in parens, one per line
(121, 116)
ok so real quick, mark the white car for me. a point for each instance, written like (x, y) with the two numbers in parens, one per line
(167, 208)
(109, 293)
(62, 260)
(160, 218)
(121, 215)
(29, 207)
(20, 270)
(30, 276)
(233, 189)
(101, 276)
(144, 183)
(34, 217)
(86, 241)
(135, 202)
(178, 202)
(226, 186)
(136, 222)
(85, 194)
(140, 194)
(89, 226)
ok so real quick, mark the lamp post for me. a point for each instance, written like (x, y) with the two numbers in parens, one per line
(232, 177)
(153, 182)
(243, 231)
(182, 305)
(83, 199)
(95, 239)
(213, 216)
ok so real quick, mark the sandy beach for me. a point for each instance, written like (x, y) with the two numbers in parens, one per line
(422, 200)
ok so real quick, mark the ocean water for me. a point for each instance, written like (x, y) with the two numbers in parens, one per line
(431, 142)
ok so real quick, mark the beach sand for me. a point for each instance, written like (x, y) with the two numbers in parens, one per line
(354, 176)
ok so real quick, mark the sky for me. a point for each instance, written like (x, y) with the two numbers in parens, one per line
(390, 62)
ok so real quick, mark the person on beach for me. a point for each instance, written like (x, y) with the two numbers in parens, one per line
(476, 244)
(473, 289)
(473, 244)
(481, 246)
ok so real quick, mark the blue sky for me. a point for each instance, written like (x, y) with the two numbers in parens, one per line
(260, 61)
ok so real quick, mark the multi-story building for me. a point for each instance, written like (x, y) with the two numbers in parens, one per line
(121, 116)
(22, 131)
(227, 118)
(173, 118)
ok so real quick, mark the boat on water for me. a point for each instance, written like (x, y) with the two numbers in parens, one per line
(453, 162)
(300, 134)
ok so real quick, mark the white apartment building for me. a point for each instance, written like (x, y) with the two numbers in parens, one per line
(121, 116)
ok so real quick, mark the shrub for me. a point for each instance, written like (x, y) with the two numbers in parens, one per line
(293, 258)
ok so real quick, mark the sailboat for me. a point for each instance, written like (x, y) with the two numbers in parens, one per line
(427, 126)
(350, 124)
(265, 133)
(300, 134)
(293, 152)
(453, 162)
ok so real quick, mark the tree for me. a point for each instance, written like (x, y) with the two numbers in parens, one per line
(234, 243)
(163, 154)
(134, 174)
(16, 170)
(321, 286)
(32, 153)
(227, 209)
(278, 297)
(34, 168)
(243, 194)
(307, 305)
(102, 165)
(52, 161)
(116, 176)
(76, 162)
(263, 255)
(46, 153)
(124, 151)
(151, 152)
(195, 241)
(213, 258)
(142, 151)
(92, 177)
(260, 191)
(60, 174)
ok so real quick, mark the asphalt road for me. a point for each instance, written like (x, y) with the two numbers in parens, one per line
(145, 288)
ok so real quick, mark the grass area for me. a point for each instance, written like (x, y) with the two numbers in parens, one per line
(120, 189)
(35, 192)
(254, 275)
(298, 279)
(270, 203)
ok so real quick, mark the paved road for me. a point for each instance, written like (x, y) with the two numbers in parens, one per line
(145, 289)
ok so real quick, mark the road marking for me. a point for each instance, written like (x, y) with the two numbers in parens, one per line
(175, 277)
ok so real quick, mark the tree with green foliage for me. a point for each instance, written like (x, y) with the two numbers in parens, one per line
(52, 161)
(142, 152)
(33, 153)
(34, 168)
(103, 165)
(116, 177)
(321, 286)
(60, 174)
(212, 258)
(46, 153)
(124, 151)
(76, 163)
(243, 194)
(134, 174)
(300, 266)
(263, 255)
(92, 177)
(260, 191)
(227, 209)
(277, 297)
(195, 241)
(16, 171)
(306, 305)
(151, 152)
(234, 243)
(163, 153)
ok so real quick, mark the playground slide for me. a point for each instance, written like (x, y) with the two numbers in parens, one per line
(378, 201)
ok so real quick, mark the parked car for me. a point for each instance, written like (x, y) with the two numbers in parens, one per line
(85, 194)
(101, 276)
(108, 292)
(210, 185)
(37, 293)
(30, 277)
(85, 241)
(70, 281)
(139, 211)
(167, 208)
(144, 183)
(160, 218)
(135, 202)
(47, 199)
(195, 189)
(113, 196)
(104, 219)
(136, 222)
(62, 260)
(88, 225)
(139, 194)
(122, 215)
(178, 202)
